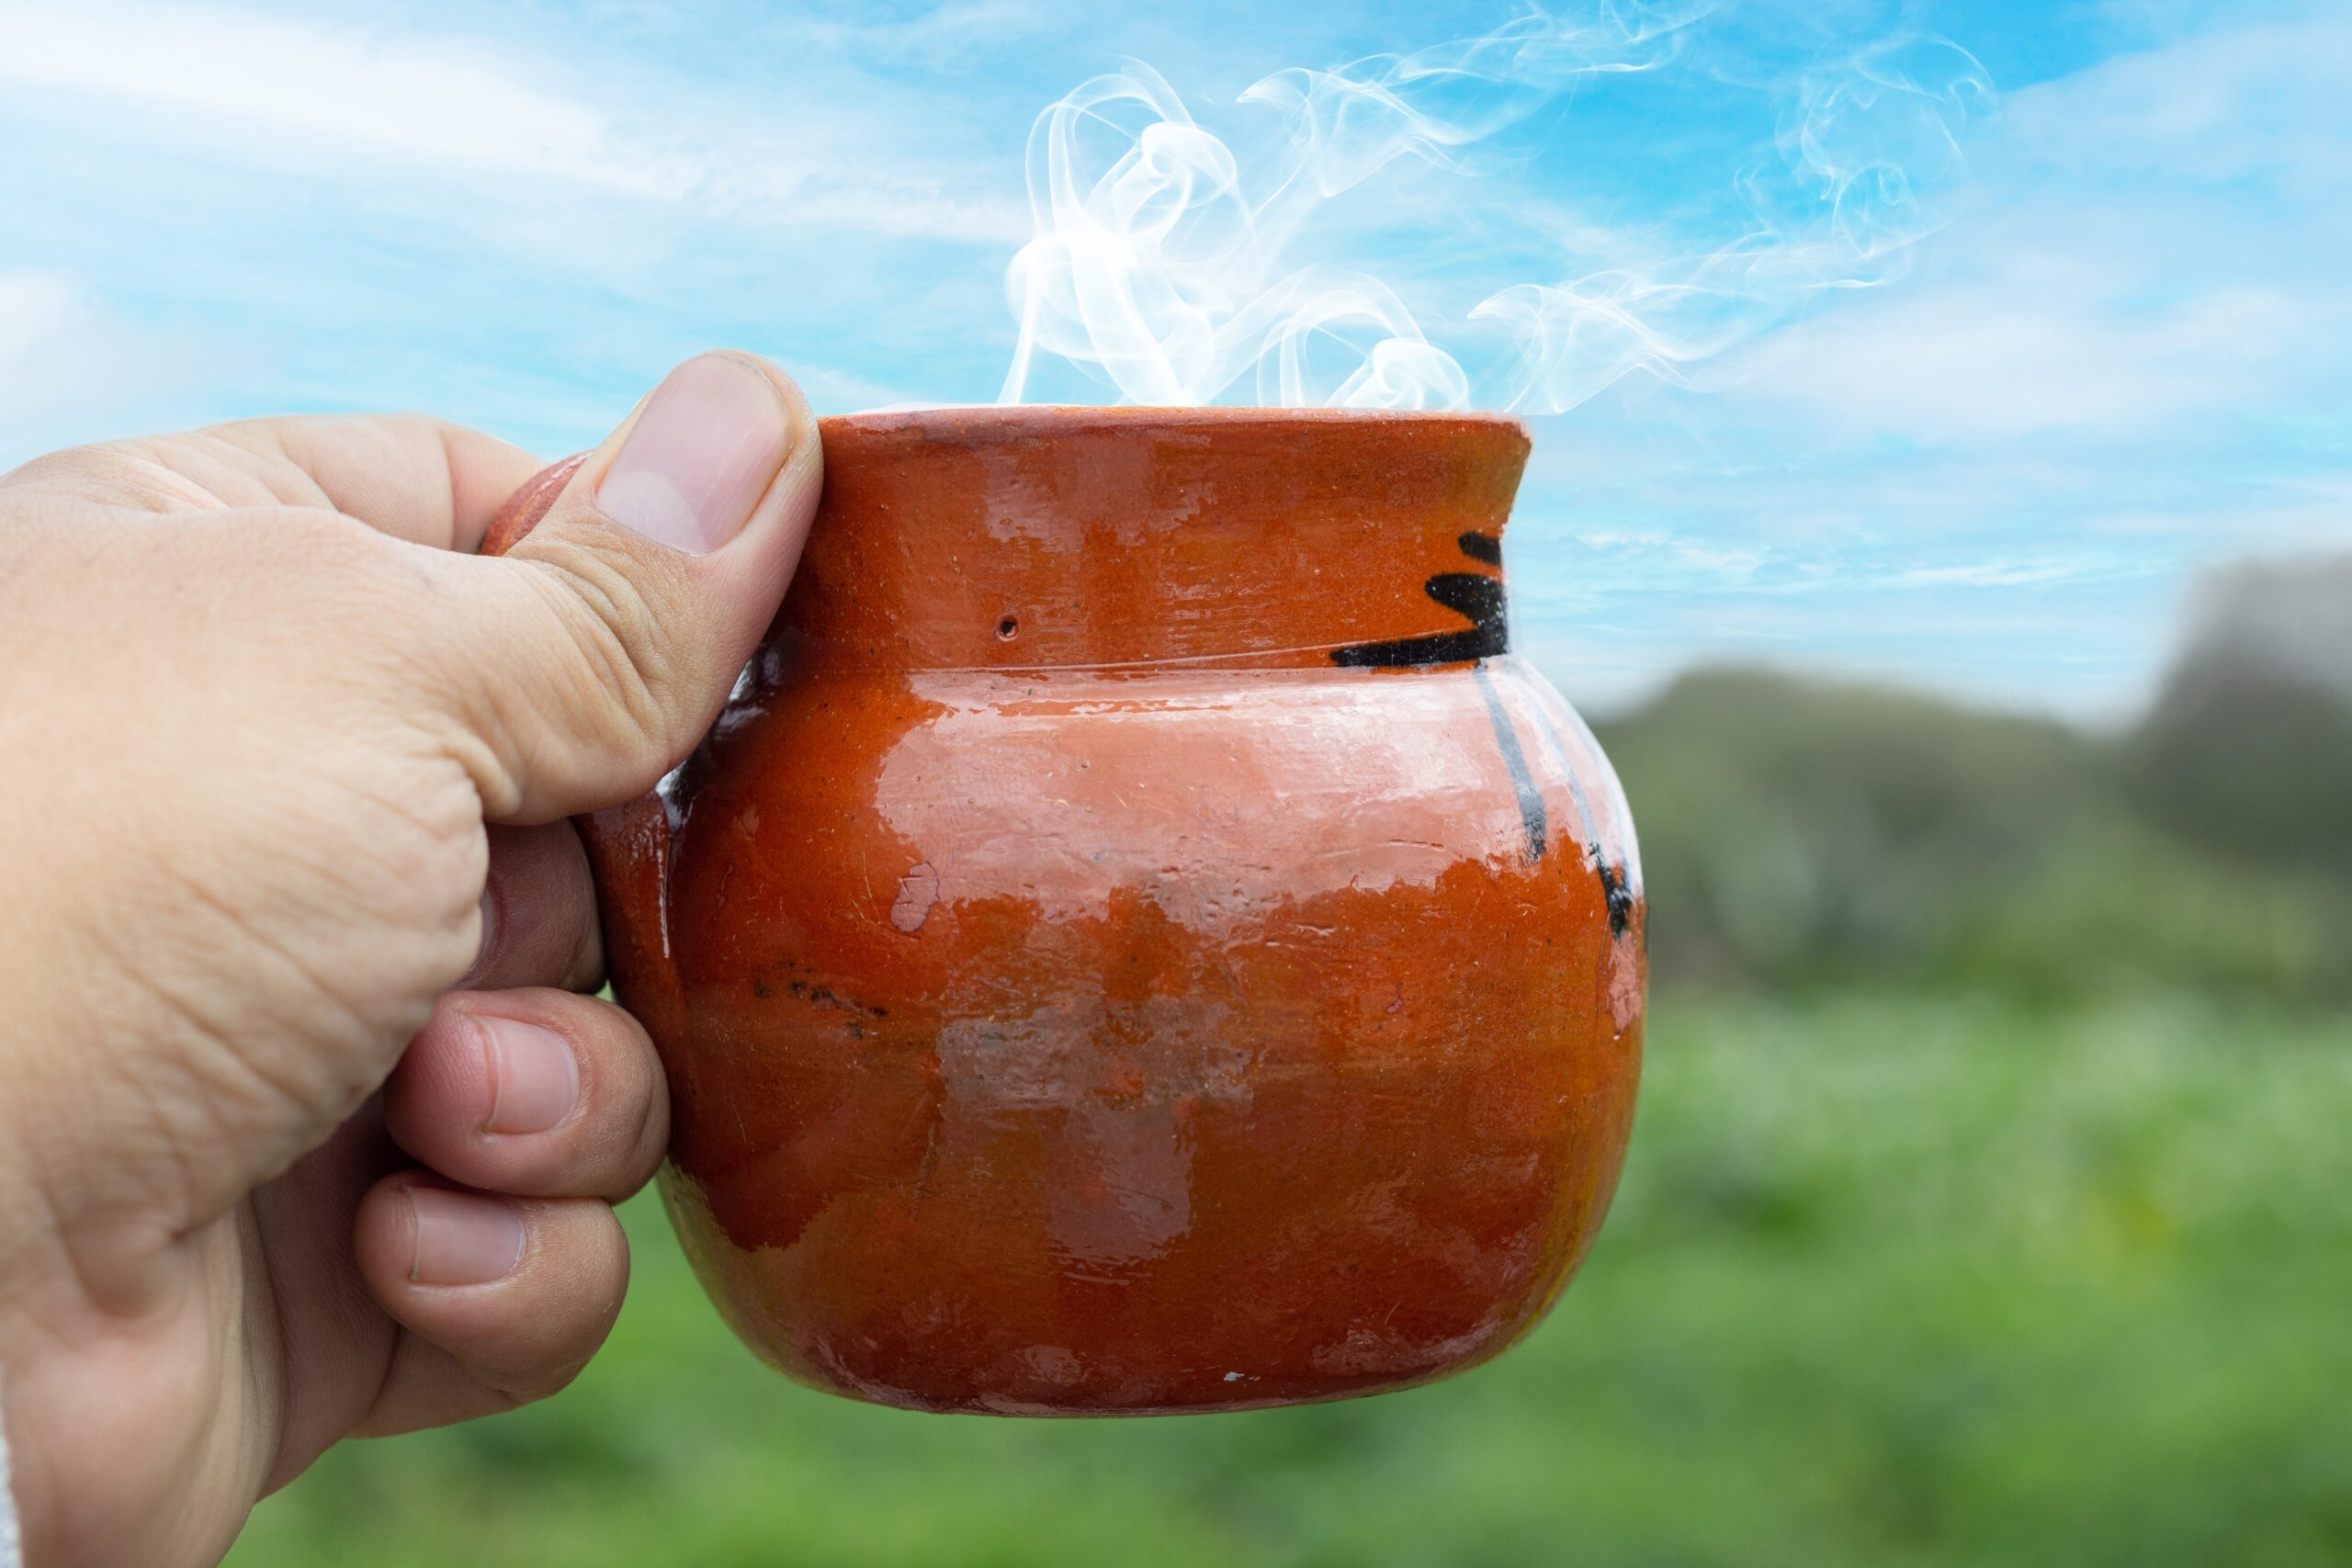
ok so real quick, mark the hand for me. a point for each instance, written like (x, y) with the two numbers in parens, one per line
(306, 1131)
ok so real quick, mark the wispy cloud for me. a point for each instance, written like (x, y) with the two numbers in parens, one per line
(2010, 573)
(70, 371)
(360, 89)
(956, 25)
(2159, 242)
(1695, 555)
(2129, 356)
(34, 307)
(309, 91)
(2133, 361)
(2028, 353)
(2259, 96)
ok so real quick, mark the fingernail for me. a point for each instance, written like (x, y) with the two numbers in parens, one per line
(704, 451)
(463, 1239)
(534, 1076)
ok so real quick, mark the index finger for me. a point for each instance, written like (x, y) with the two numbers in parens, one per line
(411, 476)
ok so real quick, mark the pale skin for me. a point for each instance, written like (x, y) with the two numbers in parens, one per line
(310, 1128)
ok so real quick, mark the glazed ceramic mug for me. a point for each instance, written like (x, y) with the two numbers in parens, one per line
(1137, 941)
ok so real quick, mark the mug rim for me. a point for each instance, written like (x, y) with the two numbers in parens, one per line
(970, 421)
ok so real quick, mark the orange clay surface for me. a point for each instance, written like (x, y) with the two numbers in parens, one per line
(1136, 942)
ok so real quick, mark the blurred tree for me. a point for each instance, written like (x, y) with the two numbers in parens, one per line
(2249, 746)
(1798, 831)
(1794, 830)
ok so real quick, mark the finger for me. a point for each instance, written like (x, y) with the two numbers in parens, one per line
(601, 647)
(504, 1298)
(539, 913)
(538, 1091)
(420, 480)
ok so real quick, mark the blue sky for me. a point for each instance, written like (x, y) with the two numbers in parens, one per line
(2126, 353)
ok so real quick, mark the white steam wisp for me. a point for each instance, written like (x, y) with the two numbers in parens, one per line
(1163, 263)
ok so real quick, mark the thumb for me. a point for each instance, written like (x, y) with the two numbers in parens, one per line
(600, 648)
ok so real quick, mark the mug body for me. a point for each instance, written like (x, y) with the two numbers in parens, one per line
(1137, 941)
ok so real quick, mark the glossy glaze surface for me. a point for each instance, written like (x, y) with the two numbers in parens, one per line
(1136, 941)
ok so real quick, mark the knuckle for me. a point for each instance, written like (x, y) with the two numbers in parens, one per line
(529, 1384)
(143, 475)
(624, 664)
(584, 971)
(631, 1111)
(592, 1275)
(652, 1138)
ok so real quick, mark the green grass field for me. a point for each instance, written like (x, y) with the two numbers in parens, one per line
(1890, 1281)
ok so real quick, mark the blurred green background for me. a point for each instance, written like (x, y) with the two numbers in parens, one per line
(1990, 1202)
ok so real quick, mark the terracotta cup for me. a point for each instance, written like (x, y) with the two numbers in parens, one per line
(1137, 941)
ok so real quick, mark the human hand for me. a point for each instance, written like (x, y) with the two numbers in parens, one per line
(307, 1130)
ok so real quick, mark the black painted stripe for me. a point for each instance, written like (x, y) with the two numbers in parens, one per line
(1488, 548)
(1476, 596)
(1585, 818)
(1531, 799)
(1614, 889)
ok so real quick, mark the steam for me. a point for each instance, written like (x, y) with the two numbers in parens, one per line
(1160, 276)
(1164, 263)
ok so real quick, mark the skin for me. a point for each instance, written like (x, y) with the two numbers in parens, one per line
(284, 775)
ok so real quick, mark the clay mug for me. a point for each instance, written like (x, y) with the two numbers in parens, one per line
(1137, 941)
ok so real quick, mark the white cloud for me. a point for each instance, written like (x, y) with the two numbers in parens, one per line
(35, 307)
(2261, 99)
(953, 25)
(430, 98)
(2009, 573)
(1998, 359)
(70, 371)
(1698, 556)
(2158, 248)
(319, 93)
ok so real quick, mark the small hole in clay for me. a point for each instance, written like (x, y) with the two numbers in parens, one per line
(1007, 628)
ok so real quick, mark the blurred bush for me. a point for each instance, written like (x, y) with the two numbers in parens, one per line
(1954, 1250)
(1893, 1281)
(1797, 831)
